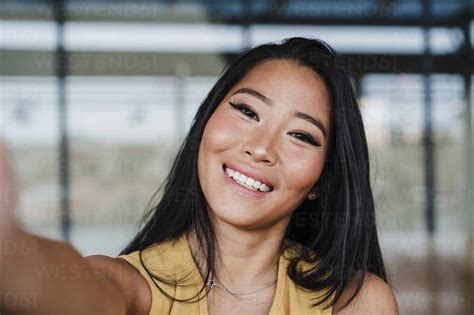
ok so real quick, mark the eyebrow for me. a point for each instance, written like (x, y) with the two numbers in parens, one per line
(257, 94)
(318, 123)
(312, 120)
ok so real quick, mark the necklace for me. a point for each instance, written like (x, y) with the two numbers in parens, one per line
(211, 283)
(214, 283)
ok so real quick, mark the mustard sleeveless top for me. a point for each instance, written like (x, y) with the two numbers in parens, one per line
(173, 260)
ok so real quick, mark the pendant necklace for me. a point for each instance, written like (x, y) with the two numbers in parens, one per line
(216, 283)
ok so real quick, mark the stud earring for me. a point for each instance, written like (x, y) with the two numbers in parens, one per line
(312, 196)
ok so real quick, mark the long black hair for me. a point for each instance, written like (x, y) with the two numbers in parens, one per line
(339, 226)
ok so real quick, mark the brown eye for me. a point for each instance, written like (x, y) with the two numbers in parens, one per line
(306, 138)
(245, 110)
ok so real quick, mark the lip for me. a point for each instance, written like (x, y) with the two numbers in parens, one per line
(249, 172)
(241, 189)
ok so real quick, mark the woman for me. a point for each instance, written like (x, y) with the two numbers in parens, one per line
(267, 209)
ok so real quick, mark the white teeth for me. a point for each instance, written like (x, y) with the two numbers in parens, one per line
(242, 179)
(247, 181)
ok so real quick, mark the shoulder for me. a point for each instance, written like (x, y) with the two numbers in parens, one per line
(375, 297)
(126, 278)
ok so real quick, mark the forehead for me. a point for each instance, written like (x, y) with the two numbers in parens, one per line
(289, 85)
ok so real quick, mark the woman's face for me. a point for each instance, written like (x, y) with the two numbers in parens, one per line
(273, 127)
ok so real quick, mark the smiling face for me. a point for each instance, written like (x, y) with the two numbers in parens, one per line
(272, 126)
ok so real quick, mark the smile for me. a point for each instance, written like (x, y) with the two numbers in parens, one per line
(247, 181)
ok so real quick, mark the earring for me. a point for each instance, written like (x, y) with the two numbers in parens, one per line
(312, 196)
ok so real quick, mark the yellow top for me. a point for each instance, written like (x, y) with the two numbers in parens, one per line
(173, 260)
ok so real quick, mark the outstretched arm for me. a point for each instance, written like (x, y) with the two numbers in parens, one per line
(41, 276)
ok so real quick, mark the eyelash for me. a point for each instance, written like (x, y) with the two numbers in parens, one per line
(243, 107)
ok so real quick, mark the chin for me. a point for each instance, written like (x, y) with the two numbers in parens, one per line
(241, 219)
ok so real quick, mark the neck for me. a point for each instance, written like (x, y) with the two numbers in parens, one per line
(245, 260)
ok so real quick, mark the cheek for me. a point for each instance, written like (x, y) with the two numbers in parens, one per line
(220, 133)
(303, 173)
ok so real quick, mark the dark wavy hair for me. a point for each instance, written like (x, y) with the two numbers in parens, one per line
(339, 226)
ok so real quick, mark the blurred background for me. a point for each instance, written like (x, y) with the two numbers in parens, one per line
(95, 97)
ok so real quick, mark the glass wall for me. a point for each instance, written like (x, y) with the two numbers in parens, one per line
(138, 72)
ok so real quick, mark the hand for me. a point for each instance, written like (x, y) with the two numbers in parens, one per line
(7, 194)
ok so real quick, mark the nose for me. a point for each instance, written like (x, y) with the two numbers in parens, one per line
(261, 147)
